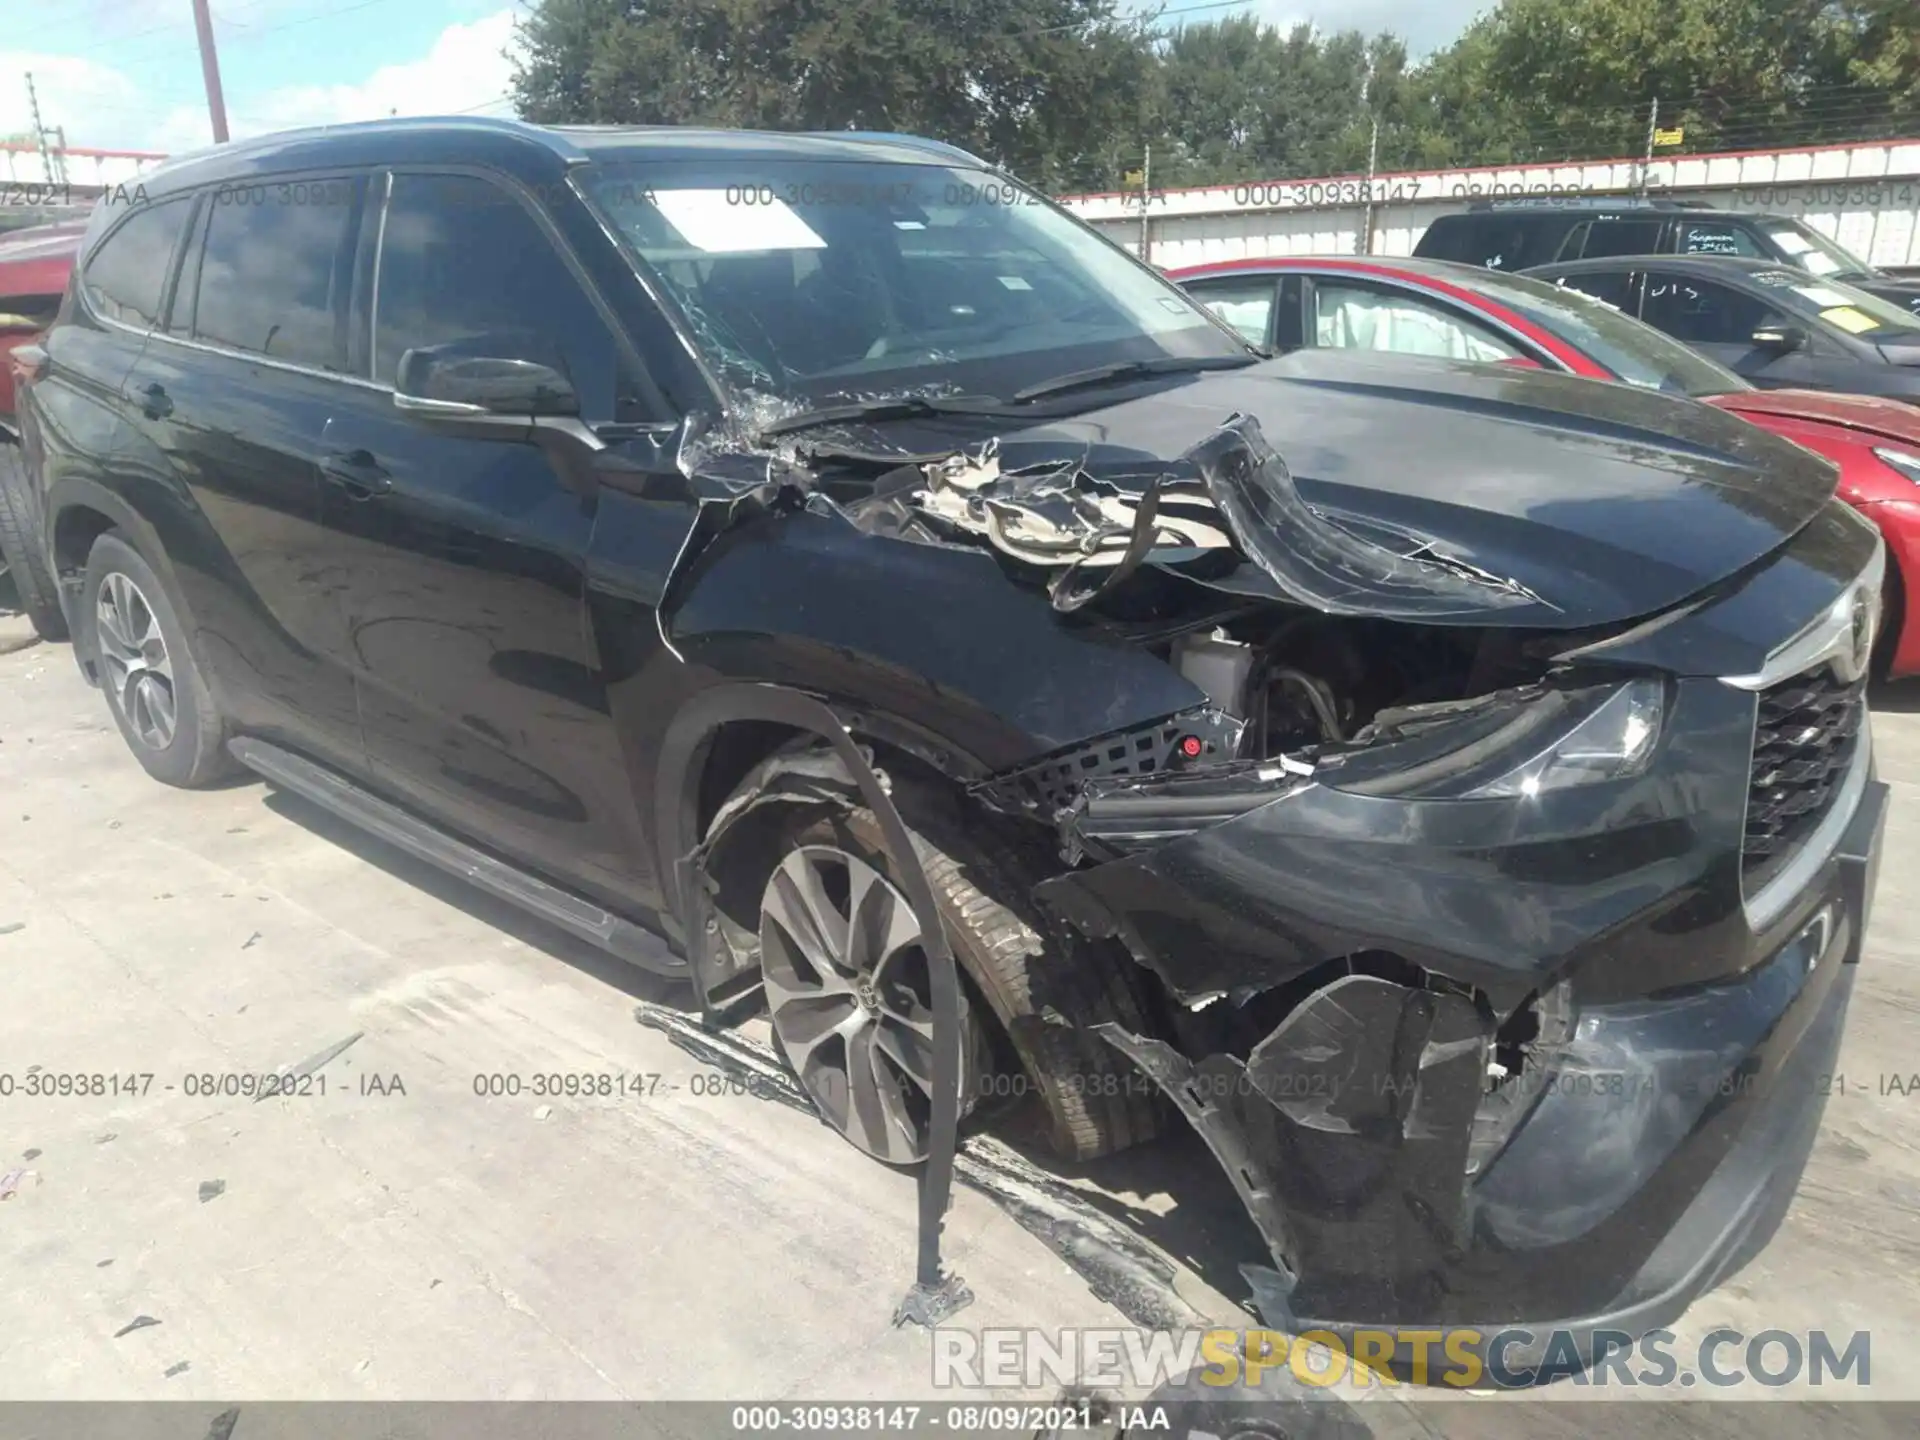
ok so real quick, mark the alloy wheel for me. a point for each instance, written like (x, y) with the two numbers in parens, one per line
(848, 989)
(133, 652)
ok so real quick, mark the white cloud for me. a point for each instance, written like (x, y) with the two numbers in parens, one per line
(67, 86)
(466, 71)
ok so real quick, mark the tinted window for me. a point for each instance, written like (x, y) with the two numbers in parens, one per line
(127, 276)
(275, 271)
(1246, 304)
(1358, 317)
(1717, 237)
(463, 263)
(1702, 312)
(1499, 242)
(1621, 237)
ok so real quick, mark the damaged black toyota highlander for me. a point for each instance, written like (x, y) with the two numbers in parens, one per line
(1447, 787)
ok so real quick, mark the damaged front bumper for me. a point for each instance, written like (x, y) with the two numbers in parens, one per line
(1669, 1095)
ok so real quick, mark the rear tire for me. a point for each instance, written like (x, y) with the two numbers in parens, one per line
(38, 595)
(1045, 997)
(147, 670)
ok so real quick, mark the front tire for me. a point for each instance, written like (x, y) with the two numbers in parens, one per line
(1045, 998)
(38, 595)
(148, 671)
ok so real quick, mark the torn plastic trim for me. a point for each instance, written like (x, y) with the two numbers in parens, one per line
(1365, 1080)
(676, 821)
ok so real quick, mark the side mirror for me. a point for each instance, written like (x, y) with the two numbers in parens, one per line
(432, 381)
(1779, 337)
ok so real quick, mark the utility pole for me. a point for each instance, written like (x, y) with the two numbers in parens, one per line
(1373, 157)
(1653, 128)
(1146, 198)
(210, 71)
(39, 130)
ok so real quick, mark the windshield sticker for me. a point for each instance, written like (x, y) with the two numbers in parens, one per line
(1014, 282)
(716, 221)
(1791, 242)
(1779, 278)
(1854, 322)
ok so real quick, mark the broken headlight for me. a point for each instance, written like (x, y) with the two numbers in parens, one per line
(1515, 746)
(1615, 740)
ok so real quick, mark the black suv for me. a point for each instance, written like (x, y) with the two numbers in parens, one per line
(801, 563)
(1519, 234)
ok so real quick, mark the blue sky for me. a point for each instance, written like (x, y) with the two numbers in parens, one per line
(125, 74)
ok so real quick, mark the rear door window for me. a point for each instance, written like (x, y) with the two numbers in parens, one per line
(1622, 237)
(276, 270)
(1703, 312)
(463, 262)
(126, 277)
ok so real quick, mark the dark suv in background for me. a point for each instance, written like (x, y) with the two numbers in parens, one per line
(824, 554)
(1519, 234)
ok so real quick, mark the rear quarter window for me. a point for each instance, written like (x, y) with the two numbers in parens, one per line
(1495, 240)
(126, 275)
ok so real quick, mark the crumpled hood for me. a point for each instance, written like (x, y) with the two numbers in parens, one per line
(1583, 503)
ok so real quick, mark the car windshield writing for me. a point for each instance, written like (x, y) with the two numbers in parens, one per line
(818, 280)
(1637, 353)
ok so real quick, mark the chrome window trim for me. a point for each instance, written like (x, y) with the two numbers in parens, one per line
(232, 354)
(379, 255)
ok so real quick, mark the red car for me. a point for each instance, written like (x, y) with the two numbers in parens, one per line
(1431, 307)
(34, 268)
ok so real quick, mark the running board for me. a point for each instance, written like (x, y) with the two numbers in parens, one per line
(335, 793)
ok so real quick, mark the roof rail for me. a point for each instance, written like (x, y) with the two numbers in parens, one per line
(1565, 200)
(917, 142)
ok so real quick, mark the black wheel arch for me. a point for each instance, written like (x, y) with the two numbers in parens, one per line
(684, 753)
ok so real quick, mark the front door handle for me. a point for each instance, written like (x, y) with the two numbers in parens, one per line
(155, 403)
(357, 473)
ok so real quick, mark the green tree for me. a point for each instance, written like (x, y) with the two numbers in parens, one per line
(1042, 86)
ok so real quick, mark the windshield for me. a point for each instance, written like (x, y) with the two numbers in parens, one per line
(1813, 252)
(813, 280)
(1840, 305)
(1637, 353)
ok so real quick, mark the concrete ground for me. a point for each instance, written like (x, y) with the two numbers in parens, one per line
(400, 1236)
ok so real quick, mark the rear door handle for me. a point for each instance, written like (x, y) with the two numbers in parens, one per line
(155, 403)
(357, 473)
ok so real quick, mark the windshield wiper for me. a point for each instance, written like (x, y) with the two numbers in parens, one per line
(1132, 369)
(893, 407)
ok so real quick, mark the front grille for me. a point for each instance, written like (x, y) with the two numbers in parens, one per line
(1803, 742)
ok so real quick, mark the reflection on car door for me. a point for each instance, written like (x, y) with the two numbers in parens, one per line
(231, 400)
(482, 699)
(1719, 321)
(1618, 288)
